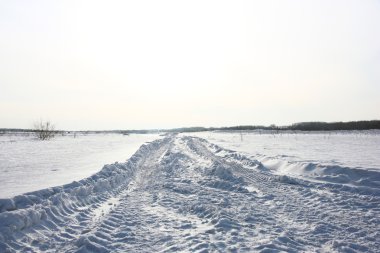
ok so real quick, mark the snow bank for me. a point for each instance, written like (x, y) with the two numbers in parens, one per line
(28, 165)
(29, 209)
(363, 179)
(352, 149)
(318, 157)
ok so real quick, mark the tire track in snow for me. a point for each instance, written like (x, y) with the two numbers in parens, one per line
(316, 214)
(185, 194)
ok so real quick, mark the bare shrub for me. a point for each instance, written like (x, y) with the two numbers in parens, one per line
(44, 130)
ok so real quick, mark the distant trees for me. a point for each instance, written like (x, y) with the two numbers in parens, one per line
(324, 126)
(312, 126)
(44, 130)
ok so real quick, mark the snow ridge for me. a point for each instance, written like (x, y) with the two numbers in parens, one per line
(183, 193)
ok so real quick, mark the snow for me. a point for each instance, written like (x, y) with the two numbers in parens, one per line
(344, 157)
(27, 164)
(355, 149)
(183, 193)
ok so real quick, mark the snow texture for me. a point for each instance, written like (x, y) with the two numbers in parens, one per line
(354, 149)
(183, 193)
(27, 164)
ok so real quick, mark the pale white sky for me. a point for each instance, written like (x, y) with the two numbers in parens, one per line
(163, 64)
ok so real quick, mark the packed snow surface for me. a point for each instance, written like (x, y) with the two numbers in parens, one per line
(27, 164)
(183, 193)
(345, 157)
(354, 149)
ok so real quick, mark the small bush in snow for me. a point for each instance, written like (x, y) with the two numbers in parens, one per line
(44, 130)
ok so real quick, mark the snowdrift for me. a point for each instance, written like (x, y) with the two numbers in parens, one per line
(354, 179)
(361, 179)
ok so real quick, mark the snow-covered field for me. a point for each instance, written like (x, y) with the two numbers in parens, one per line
(346, 157)
(360, 149)
(27, 164)
(212, 192)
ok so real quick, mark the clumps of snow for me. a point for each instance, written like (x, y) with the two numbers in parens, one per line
(352, 177)
(286, 179)
(12, 222)
(29, 209)
(223, 172)
(180, 188)
(293, 172)
(220, 176)
(326, 157)
(181, 194)
(89, 244)
(7, 205)
(224, 185)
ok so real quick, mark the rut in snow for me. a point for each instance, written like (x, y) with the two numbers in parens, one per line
(185, 194)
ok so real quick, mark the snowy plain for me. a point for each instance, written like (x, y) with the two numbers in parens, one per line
(212, 192)
(345, 157)
(27, 164)
(355, 149)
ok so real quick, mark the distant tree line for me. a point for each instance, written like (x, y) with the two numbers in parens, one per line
(189, 129)
(323, 126)
(246, 128)
(302, 126)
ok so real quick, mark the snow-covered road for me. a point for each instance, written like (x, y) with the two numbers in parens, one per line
(183, 193)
